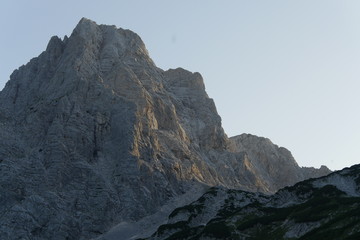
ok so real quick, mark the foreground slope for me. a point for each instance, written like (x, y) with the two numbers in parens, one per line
(93, 134)
(323, 208)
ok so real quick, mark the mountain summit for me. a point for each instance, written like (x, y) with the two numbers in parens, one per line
(93, 134)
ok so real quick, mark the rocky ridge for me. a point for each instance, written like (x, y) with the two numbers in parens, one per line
(274, 164)
(93, 134)
(322, 208)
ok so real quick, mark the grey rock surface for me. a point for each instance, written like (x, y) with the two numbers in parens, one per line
(317, 208)
(276, 165)
(93, 134)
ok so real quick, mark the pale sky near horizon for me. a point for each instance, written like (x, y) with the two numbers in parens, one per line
(285, 70)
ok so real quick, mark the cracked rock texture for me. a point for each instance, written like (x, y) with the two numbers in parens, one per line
(93, 133)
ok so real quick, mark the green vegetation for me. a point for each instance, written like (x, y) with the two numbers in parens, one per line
(186, 233)
(212, 191)
(192, 209)
(217, 230)
(332, 214)
(182, 225)
(301, 188)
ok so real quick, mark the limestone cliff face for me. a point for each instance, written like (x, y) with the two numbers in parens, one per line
(93, 133)
(274, 164)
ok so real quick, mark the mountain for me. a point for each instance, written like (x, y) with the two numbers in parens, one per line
(276, 166)
(322, 208)
(95, 135)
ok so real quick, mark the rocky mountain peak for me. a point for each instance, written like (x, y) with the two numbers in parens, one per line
(86, 28)
(93, 134)
(274, 163)
(110, 43)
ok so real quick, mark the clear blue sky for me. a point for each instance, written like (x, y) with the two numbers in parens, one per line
(286, 70)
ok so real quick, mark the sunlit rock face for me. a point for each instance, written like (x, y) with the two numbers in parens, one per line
(274, 164)
(93, 133)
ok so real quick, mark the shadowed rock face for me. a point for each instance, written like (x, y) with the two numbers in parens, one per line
(93, 133)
